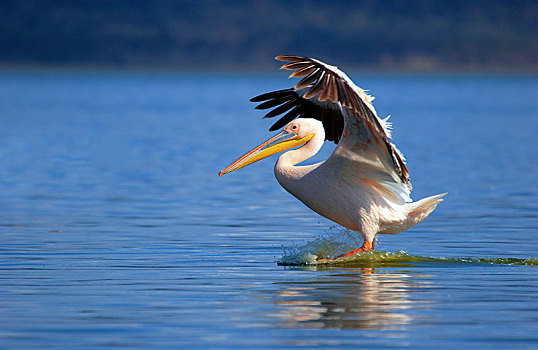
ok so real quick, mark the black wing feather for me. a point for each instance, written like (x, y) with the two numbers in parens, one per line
(290, 100)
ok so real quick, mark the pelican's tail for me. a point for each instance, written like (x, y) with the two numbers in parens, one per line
(418, 211)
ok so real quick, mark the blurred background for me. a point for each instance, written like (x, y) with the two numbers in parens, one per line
(493, 35)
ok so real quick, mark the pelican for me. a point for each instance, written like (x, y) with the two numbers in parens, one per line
(364, 185)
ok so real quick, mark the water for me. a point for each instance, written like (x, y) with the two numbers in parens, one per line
(117, 232)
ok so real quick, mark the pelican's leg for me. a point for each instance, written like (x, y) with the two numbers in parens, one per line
(369, 234)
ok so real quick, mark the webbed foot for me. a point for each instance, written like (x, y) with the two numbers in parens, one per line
(366, 247)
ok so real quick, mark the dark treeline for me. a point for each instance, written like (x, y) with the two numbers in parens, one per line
(405, 34)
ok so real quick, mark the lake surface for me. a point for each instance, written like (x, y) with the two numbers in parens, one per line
(117, 232)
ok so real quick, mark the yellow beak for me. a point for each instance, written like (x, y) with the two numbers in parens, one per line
(276, 144)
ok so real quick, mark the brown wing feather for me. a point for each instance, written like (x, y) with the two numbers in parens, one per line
(302, 72)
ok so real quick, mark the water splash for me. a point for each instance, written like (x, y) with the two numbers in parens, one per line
(329, 246)
(334, 244)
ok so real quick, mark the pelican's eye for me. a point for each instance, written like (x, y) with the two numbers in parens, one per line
(294, 127)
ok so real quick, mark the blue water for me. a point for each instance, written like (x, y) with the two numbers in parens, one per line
(117, 232)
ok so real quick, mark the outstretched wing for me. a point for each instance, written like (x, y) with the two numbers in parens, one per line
(327, 94)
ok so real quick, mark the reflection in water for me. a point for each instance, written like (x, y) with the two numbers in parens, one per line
(356, 299)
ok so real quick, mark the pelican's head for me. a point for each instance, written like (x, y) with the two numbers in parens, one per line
(303, 127)
(295, 134)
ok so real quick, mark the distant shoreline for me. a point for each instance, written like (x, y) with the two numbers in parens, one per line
(414, 36)
(263, 69)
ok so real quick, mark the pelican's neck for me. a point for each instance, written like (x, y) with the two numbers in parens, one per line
(285, 169)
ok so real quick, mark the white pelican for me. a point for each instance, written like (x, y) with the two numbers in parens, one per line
(364, 185)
